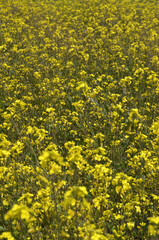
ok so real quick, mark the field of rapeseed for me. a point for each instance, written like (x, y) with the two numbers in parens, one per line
(79, 119)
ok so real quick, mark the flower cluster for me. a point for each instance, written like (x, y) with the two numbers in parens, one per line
(79, 119)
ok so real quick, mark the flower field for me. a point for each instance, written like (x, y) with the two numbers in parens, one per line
(79, 119)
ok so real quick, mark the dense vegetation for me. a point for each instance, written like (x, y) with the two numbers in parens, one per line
(79, 119)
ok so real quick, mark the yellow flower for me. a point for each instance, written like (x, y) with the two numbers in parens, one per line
(130, 225)
(18, 211)
(7, 235)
